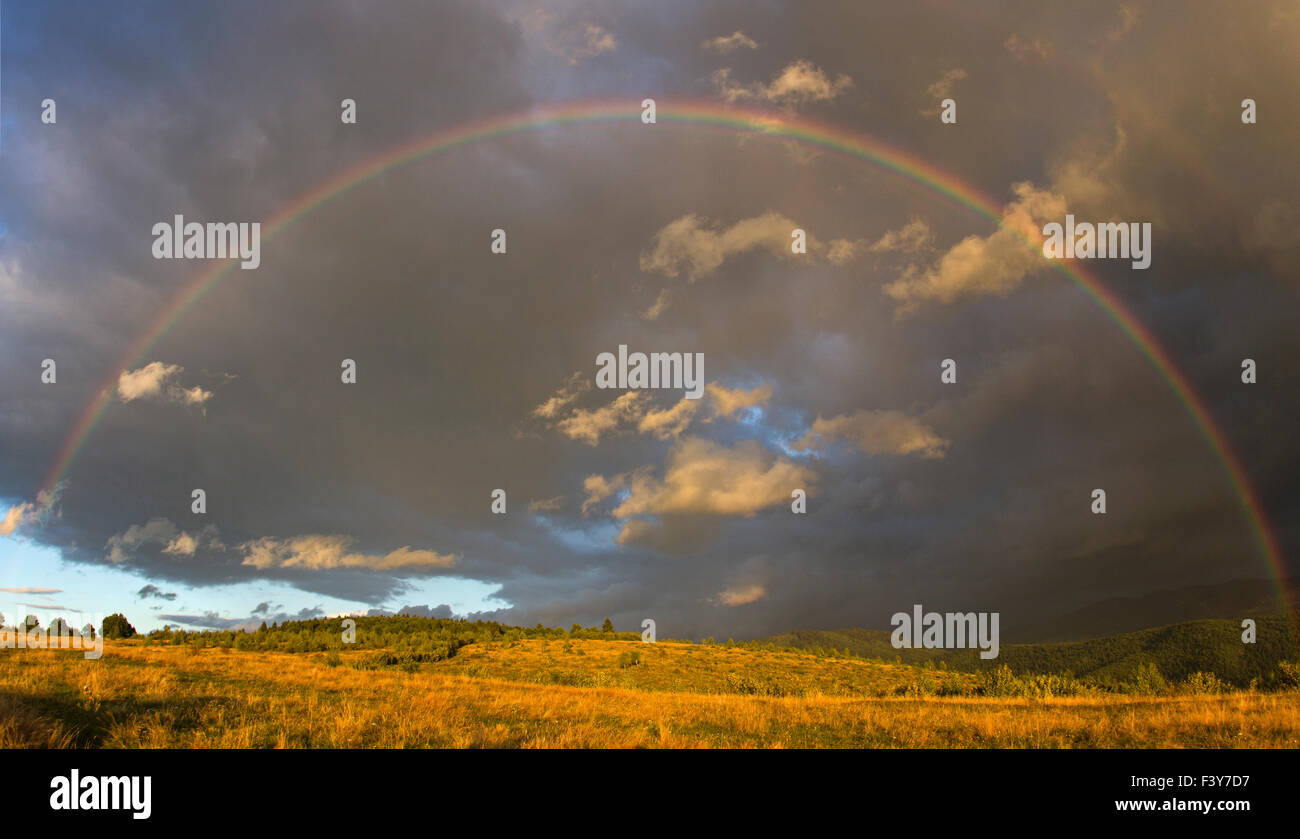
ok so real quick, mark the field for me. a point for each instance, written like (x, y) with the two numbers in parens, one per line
(543, 693)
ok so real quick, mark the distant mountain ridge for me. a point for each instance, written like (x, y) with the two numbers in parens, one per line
(1178, 650)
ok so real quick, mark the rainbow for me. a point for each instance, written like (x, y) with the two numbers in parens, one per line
(782, 127)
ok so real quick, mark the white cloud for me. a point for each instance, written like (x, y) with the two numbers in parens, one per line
(576, 385)
(588, 426)
(633, 410)
(980, 265)
(182, 545)
(942, 88)
(844, 251)
(157, 381)
(599, 488)
(704, 477)
(318, 552)
(156, 530)
(909, 238)
(730, 43)
(694, 245)
(876, 432)
(669, 422)
(31, 512)
(727, 403)
(799, 83)
(740, 595)
(162, 532)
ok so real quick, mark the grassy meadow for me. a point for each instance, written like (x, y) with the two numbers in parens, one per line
(591, 692)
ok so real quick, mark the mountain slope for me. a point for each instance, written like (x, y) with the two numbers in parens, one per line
(1178, 651)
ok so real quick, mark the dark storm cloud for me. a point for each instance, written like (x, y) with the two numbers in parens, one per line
(359, 491)
(152, 590)
(213, 620)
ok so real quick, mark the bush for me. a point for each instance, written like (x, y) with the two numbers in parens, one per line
(1149, 680)
(1290, 673)
(117, 626)
(755, 686)
(629, 658)
(999, 681)
(1202, 683)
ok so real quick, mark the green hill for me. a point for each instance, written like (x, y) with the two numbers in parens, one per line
(1177, 651)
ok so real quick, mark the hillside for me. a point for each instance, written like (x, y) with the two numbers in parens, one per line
(1177, 651)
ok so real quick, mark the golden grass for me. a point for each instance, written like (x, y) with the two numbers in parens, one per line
(140, 696)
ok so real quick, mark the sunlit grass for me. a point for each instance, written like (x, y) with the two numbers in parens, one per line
(542, 694)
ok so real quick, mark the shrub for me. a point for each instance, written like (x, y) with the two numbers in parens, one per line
(999, 681)
(629, 658)
(1203, 683)
(755, 686)
(117, 626)
(1149, 680)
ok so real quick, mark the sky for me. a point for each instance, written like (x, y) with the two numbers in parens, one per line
(476, 370)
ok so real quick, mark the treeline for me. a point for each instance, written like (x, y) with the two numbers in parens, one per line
(113, 626)
(436, 637)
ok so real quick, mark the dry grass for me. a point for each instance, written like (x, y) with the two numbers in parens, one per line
(162, 697)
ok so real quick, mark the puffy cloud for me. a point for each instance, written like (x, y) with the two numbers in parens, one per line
(730, 43)
(634, 410)
(693, 245)
(588, 426)
(740, 595)
(876, 432)
(183, 545)
(576, 385)
(157, 381)
(727, 403)
(156, 530)
(799, 83)
(942, 88)
(704, 477)
(669, 422)
(699, 247)
(153, 591)
(160, 531)
(980, 265)
(317, 552)
(31, 512)
(844, 251)
(909, 238)
(599, 488)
